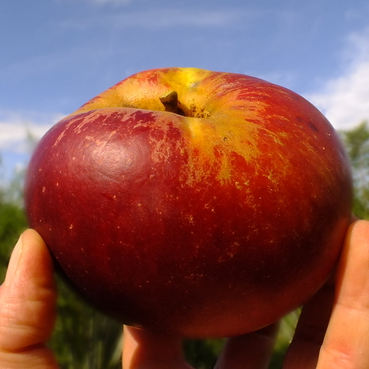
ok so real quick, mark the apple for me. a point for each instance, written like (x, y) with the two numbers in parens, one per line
(200, 203)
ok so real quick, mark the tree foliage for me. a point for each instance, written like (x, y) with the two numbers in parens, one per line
(83, 337)
(12, 223)
(357, 146)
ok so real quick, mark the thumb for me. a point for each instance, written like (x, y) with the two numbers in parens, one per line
(27, 306)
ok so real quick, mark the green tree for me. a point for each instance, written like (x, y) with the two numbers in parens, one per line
(12, 223)
(83, 337)
(356, 142)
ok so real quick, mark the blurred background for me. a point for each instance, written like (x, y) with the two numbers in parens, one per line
(57, 54)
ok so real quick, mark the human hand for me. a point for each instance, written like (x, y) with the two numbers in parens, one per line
(27, 306)
(333, 331)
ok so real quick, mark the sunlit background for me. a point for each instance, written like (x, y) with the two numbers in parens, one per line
(56, 54)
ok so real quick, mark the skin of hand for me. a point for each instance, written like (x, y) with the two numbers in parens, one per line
(332, 332)
(27, 306)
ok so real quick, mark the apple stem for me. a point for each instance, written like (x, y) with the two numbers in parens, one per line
(171, 103)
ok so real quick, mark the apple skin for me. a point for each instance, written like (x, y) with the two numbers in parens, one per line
(209, 215)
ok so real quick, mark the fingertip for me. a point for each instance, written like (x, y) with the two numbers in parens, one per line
(359, 228)
(29, 239)
(31, 236)
(355, 246)
(36, 260)
(27, 305)
(33, 244)
(28, 297)
(30, 266)
(348, 329)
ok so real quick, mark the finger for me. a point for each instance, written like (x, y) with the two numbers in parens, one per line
(345, 345)
(27, 306)
(249, 351)
(304, 350)
(143, 349)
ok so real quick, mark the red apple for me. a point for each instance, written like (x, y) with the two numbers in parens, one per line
(196, 202)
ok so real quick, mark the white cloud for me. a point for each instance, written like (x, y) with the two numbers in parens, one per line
(16, 129)
(345, 99)
(18, 134)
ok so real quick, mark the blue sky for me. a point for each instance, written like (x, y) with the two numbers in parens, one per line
(56, 54)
